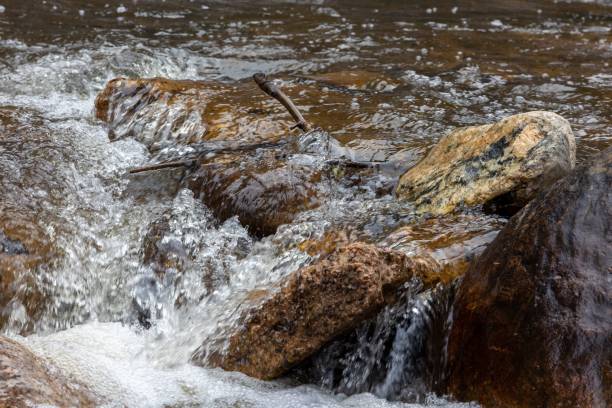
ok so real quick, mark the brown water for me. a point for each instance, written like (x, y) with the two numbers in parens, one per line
(385, 78)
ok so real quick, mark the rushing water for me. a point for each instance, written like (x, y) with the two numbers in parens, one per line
(384, 79)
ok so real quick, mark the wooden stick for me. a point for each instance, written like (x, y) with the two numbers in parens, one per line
(268, 86)
(189, 161)
(167, 165)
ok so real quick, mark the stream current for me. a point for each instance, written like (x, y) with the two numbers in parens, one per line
(387, 81)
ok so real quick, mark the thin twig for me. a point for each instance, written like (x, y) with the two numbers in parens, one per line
(268, 86)
(199, 154)
(159, 166)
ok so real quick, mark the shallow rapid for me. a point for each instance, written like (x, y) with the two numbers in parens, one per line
(384, 81)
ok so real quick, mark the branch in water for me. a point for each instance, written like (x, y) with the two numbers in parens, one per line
(199, 154)
(166, 165)
(268, 86)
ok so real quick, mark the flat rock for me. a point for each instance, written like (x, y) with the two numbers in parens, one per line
(503, 164)
(314, 305)
(532, 322)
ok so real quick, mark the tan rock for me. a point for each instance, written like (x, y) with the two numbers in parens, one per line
(314, 305)
(26, 380)
(505, 163)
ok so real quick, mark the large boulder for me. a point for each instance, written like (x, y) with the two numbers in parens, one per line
(503, 164)
(314, 305)
(532, 321)
(26, 380)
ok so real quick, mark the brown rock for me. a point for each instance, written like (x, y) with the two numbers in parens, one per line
(161, 112)
(316, 304)
(27, 380)
(263, 189)
(21, 258)
(532, 322)
(509, 161)
(26, 250)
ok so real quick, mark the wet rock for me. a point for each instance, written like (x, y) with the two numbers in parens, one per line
(504, 164)
(27, 380)
(264, 190)
(24, 252)
(314, 305)
(532, 322)
(26, 191)
(161, 112)
(454, 240)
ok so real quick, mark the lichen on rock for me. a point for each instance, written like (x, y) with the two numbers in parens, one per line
(504, 164)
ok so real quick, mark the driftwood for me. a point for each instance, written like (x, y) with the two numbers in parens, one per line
(268, 86)
(189, 161)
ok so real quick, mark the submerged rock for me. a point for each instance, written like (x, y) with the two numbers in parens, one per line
(503, 164)
(24, 251)
(316, 304)
(26, 380)
(28, 188)
(532, 322)
(161, 112)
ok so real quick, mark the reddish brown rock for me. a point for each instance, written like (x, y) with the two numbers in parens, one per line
(262, 189)
(26, 380)
(532, 322)
(314, 305)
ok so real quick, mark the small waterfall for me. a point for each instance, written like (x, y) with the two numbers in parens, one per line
(397, 355)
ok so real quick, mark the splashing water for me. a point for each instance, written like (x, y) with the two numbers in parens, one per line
(425, 73)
